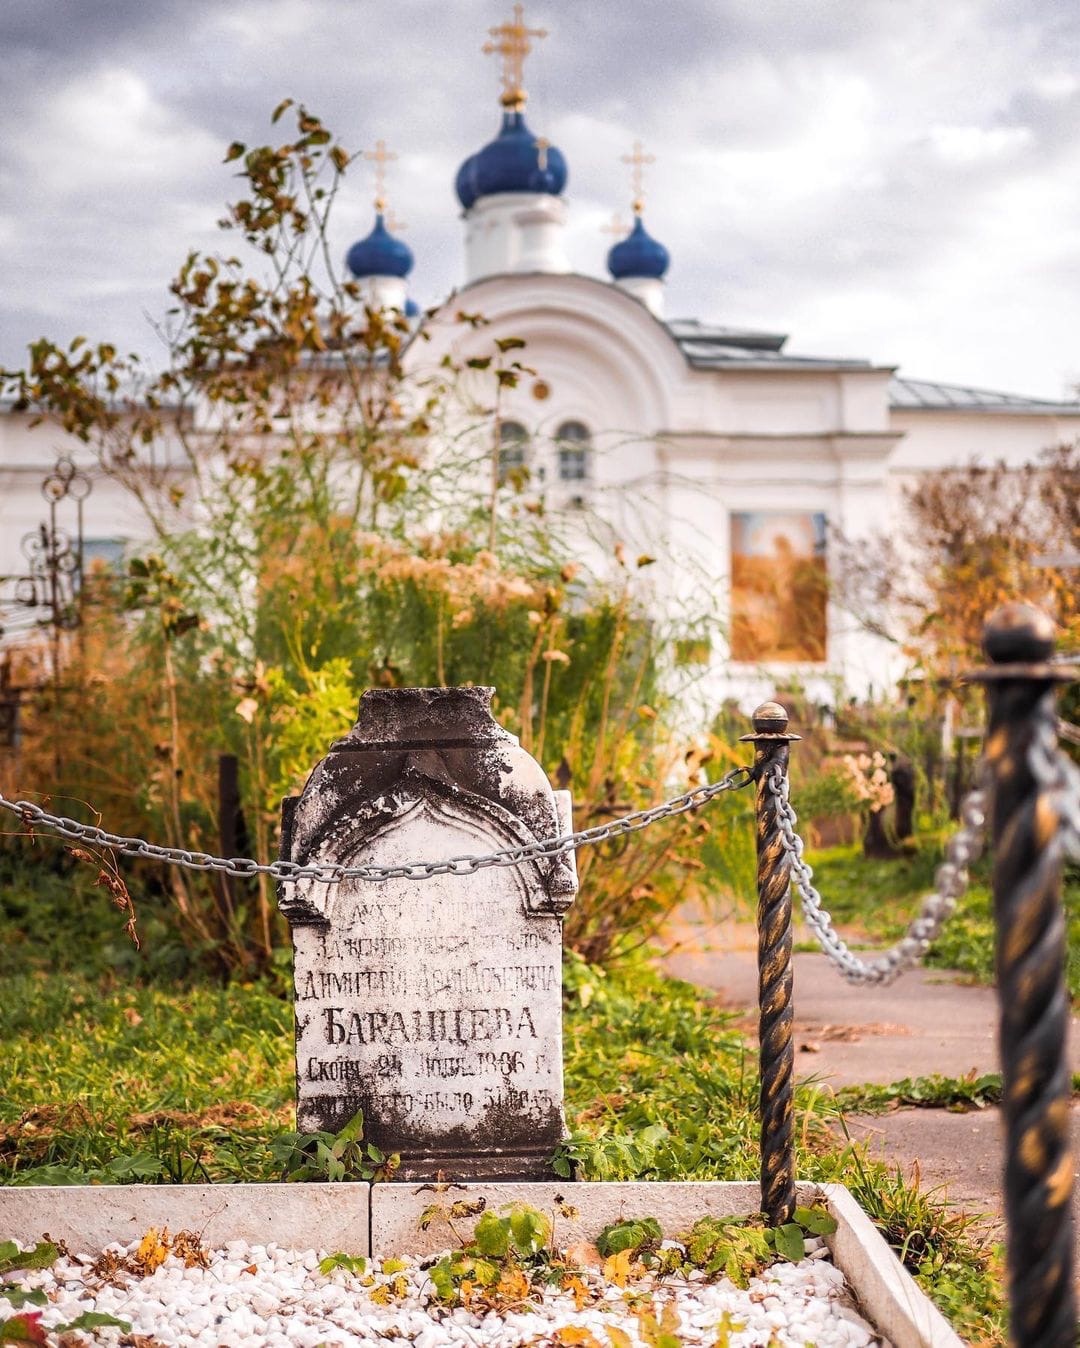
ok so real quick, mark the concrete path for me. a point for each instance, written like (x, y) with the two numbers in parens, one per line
(928, 1022)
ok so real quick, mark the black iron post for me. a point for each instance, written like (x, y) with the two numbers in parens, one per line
(1030, 960)
(777, 1051)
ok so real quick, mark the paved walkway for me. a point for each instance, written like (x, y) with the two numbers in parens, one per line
(927, 1022)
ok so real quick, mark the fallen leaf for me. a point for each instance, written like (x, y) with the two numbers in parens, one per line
(617, 1268)
(153, 1249)
(584, 1254)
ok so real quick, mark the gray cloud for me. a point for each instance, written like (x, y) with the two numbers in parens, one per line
(896, 182)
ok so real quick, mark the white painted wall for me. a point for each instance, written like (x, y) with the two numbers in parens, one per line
(514, 232)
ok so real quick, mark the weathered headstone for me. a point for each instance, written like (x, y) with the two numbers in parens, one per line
(432, 1004)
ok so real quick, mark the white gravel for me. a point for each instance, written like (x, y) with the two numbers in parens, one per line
(287, 1303)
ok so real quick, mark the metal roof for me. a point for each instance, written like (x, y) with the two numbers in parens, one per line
(708, 347)
(916, 394)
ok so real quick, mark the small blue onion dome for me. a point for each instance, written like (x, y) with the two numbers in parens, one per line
(639, 254)
(515, 161)
(412, 309)
(380, 254)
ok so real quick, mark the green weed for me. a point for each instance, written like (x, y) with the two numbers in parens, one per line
(958, 1094)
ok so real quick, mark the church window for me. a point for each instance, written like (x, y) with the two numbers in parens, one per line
(575, 444)
(107, 552)
(513, 441)
(778, 586)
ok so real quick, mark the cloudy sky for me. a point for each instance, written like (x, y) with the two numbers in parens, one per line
(892, 179)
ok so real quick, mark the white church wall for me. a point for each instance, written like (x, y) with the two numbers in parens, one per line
(937, 439)
(514, 232)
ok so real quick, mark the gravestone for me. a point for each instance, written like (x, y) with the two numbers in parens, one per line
(432, 1004)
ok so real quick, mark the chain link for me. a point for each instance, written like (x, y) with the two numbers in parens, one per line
(1054, 770)
(950, 881)
(33, 815)
(1069, 807)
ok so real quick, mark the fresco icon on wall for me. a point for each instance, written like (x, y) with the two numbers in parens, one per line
(778, 585)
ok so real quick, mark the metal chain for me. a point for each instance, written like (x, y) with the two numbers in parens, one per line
(34, 815)
(1055, 770)
(950, 881)
(1069, 807)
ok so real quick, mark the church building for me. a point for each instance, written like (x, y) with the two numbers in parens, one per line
(694, 439)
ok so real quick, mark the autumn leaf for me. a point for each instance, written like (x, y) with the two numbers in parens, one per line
(25, 1328)
(617, 1268)
(153, 1249)
(577, 1289)
(577, 1334)
(513, 1286)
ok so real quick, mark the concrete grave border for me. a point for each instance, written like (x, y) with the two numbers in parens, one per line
(383, 1220)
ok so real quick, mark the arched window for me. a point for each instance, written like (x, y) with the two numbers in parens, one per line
(575, 451)
(513, 440)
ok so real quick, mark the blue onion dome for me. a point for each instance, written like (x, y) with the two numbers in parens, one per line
(639, 254)
(380, 254)
(515, 161)
(412, 309)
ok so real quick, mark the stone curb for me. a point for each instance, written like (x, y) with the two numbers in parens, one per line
(384, 1219)
(305, 1216)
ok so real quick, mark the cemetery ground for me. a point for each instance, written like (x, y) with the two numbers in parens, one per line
(127, 1068)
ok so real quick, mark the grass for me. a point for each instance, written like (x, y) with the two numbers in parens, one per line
(111, 1076)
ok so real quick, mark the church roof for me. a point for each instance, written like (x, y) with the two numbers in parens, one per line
(379, 254)
(907, 395)
(708, 347)
(639, 254)
(515, 161)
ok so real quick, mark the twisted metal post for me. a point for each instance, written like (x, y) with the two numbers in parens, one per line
(1030, 959)
(776, 1048)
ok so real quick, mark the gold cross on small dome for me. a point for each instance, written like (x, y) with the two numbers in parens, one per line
(637, 159)
(380, 157)
(513, 45)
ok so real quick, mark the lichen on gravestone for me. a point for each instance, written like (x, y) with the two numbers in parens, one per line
(434, 1005)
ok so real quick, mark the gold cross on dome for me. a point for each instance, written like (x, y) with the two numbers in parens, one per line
(637, 160)
(513, 45)
(380, 157)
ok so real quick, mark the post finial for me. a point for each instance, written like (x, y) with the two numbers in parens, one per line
(770, 719)
(511, 42)
(1019, 633)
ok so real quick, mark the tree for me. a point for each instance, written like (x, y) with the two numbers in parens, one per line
(971, 539)
(321, 522)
